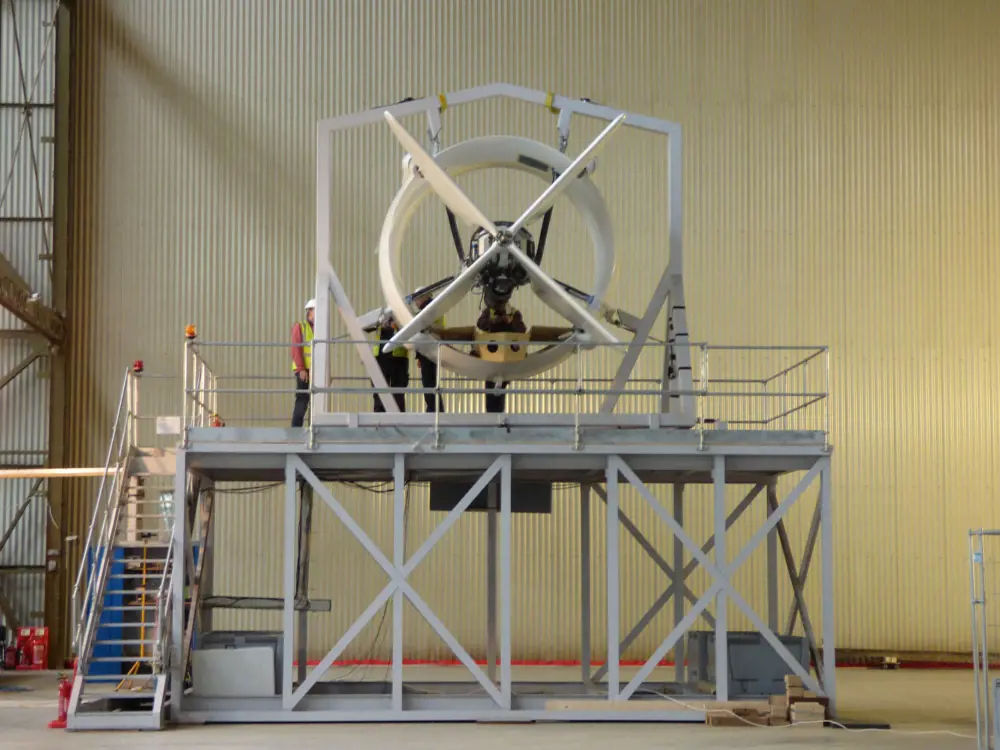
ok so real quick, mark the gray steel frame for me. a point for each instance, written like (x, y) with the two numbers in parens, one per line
(676, 376)
(756, 459)
(593, 450)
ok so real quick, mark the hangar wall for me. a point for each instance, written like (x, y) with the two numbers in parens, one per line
(841, 162)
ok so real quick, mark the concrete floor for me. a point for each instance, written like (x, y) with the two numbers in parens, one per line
(912, 701)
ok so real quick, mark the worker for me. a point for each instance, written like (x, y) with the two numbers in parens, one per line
(428, 367)
(302, 336)
(501, 317)
(395, 365)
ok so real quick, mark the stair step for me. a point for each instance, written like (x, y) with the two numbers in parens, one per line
(130, 659)
(130, 608)
(117, 677)
(133, 592)
(125, 643)
(155, 573)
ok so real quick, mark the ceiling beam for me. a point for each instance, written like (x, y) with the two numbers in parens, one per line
(16, 296)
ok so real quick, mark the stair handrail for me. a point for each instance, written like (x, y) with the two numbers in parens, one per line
(99, 576)
(119, 430)
(164, 599)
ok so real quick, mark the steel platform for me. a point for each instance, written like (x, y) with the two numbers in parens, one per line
(601, 456)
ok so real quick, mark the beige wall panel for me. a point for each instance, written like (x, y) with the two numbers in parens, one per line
(841, 178)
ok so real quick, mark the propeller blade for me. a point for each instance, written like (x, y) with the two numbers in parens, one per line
(429, 288)
(450, 297)
(553, 191)
(555, 296)
(439, 180)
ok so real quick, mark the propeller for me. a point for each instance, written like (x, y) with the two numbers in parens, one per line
(439, 180)
(451, 296)
(555, 296)
(553, 191)
(547, 289)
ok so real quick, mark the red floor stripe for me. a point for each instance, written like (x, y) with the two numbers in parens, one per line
(456, 663)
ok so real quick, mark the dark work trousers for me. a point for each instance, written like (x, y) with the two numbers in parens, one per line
(301, 402)
(428, 379)
(397, 375)
(495, 402)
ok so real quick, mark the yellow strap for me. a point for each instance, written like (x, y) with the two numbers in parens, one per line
(549, 99)
(444, 102)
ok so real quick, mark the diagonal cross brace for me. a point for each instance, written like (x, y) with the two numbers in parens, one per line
(803, 572)
(350, 319)
(397, 580)
(722, 577)
(638, 342)
(643, 542)
(797, 592)
(661, 602)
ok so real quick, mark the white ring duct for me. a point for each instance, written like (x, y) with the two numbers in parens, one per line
(511, 152)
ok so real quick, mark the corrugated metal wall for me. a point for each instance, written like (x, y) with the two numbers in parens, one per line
(841, 161)
(26, 185)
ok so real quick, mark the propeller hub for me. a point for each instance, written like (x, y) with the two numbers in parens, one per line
(482, 239)
(503, 274)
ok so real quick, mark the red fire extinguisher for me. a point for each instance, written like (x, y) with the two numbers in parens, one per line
(65, 693)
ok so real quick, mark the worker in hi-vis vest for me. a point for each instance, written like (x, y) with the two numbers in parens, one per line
(428, 366)
(502, 317)
(395, 365)
(302, 336)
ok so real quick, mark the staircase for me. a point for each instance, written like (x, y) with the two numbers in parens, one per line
(122, 596)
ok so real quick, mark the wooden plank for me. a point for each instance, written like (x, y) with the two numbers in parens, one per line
(35, 472)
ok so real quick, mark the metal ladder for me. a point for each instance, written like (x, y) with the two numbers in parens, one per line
(122, 617)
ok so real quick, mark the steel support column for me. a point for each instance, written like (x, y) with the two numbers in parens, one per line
(585, 569)
(772, 560)
(829, 620)
(302, 576)
(492, 505)
(178, 577)
(680, 657)
(398, 560)
(289, 553)
(506, 534)
(721, 562)
(59, 581)
(611, 545)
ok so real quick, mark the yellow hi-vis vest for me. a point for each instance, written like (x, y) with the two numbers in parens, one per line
(402, 351)
(307, 337)
(399, 351)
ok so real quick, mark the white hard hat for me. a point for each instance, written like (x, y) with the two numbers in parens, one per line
(311, 304)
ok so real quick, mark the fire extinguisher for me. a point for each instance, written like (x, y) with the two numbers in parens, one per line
(65, 693)
(38, 654)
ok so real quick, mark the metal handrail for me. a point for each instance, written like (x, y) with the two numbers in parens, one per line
(77, 613)
(98, 577)
(736, 391)
(163, 606)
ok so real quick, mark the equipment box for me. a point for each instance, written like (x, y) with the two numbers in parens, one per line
(231, 663)
(754, 667)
